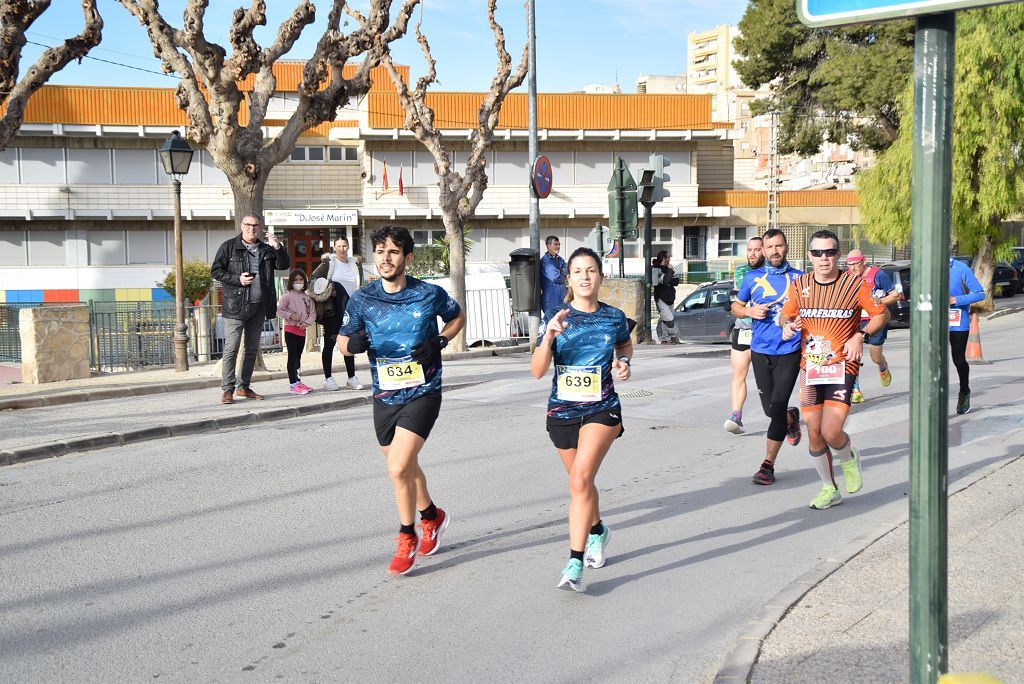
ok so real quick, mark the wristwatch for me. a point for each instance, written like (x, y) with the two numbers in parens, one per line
(624, 359)
(866, 335)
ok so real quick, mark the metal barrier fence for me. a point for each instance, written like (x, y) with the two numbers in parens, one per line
(10, 338)
(139, 335)
(126, 336)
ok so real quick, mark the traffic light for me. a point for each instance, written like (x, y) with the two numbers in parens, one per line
(646, 188)
(659, 163)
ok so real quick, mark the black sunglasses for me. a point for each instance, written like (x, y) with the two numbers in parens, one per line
(824, 252)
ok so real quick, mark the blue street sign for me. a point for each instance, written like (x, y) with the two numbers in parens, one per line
(838, 12)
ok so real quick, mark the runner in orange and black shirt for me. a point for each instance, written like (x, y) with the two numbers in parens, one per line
(824, 306)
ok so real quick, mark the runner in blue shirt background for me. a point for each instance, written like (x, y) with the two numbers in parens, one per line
(590, 345)
(964, 290)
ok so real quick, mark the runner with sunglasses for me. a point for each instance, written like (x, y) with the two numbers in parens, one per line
(776, 361)
(823, 309)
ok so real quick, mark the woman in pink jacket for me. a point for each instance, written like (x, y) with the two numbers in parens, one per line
(298, 311)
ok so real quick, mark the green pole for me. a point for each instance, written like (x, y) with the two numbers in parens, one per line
(620, 189)
(934, 49)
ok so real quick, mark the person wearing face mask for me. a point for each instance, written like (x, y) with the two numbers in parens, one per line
(344, 275)
(298, 310)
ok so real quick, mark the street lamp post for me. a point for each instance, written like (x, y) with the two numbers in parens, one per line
(176, 157)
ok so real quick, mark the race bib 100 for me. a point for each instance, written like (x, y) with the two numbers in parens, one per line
(827, 374)
(396, 374)
(579, 383)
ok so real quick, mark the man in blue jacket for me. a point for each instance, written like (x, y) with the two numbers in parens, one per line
(552, 277)
(964, 290)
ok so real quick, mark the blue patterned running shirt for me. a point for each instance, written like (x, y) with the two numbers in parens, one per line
(583, 356)
(396, 324)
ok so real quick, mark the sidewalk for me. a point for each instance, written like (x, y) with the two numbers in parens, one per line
(853, 625)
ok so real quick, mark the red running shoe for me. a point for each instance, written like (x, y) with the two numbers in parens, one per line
(793, 432)
(432, 530)
(405, 556)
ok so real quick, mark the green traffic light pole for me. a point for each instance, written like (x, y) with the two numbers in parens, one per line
(934, 49)
(648, 206)
(621, 199)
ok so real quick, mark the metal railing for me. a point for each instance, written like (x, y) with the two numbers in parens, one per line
(10, 338)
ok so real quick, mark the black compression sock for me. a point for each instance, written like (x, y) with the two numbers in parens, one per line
(406, 529)
(430, 512)
(597, 529)
(578, 555)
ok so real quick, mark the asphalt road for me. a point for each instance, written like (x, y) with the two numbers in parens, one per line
(262, 552)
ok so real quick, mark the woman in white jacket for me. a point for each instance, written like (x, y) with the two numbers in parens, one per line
(344, 275)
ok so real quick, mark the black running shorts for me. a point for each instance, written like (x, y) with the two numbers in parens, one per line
(734, 340)
(815, 396)
(565, 432)
(418, 416)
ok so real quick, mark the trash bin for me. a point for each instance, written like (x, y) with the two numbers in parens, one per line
(524, 280)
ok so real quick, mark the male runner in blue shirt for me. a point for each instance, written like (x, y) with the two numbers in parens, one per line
(394, 320)
(776, 362)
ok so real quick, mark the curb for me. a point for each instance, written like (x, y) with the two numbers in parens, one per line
(73, 445)
(100, 393)
(738, 664)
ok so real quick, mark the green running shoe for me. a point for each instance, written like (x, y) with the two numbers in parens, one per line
(857, 397)
(963, 403)
(593, 556)
(827, 498)
(886, 377)
(572, 576)
(852, 473)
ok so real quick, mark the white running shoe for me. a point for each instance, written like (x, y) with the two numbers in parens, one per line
(594, 556)
(353, 383)
(331, 384)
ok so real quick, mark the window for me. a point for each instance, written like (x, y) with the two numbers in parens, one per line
(12, 248)
(319, 153)
(510, 168)
(88, 167)
(46, 248)
(343, 153)
(422, 169)
(698, 300)
(147, 247)
(661, 239)
(211, 174)
(731, 241)
(135, 167)
(426, 236)
(106, 248)
(593, 168)
(43, 165)
(719, 297)
(9, 166)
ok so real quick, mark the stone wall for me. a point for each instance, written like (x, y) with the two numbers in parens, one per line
(627, 294)
(54, 343)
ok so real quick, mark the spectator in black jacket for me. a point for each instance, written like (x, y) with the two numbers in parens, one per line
(245, 267)
(665, 296)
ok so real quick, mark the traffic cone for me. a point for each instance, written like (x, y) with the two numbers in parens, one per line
(973, 355)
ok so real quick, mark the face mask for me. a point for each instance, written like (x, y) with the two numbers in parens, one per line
(298, 286)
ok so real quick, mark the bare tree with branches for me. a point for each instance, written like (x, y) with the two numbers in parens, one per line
(460, 193)
(17, 17)
(228, 120)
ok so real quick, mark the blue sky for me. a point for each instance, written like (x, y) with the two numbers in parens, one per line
(579, 42)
